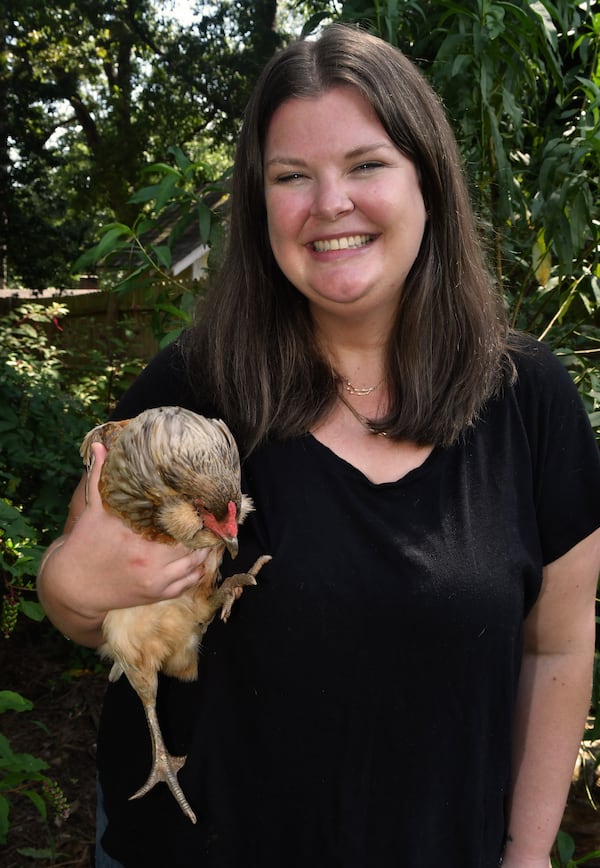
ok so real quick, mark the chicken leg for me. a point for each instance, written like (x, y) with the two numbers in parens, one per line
(164, 766)
(145, 683)
(230, 589)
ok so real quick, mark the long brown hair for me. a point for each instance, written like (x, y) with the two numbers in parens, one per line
(253, 349)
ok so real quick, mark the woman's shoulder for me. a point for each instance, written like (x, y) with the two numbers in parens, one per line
(540, 376)
(532, 357)
(540, 407)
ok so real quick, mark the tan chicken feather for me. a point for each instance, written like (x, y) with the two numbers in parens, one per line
(171, 476)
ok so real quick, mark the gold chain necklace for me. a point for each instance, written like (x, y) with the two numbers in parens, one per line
(356, 390)
(360, 418)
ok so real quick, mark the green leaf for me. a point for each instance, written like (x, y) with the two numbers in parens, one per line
(38, 853)
(9, 414)
(27, 330)
(566, 847)
(144, 224)
(550, 33)
(165, 168)
(171, 309)
(5, 748)
(32, 609)
(11, 701)
(146, 194)
(24, 762)
(38, 801)
(579, 220)
(163, 254)
(205, 217)
(13, 523)
(313, 22)
(170, 337)
(167, 185)
(587, 858)
(27, 564)
(181, 159)
(108, 244)
(129, 281)
(4, 812)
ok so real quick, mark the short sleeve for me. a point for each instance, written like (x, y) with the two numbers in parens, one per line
(564, 453)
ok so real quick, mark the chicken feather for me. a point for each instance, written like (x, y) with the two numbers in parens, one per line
(171, 476)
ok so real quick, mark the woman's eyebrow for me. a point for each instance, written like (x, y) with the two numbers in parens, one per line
(359, 151)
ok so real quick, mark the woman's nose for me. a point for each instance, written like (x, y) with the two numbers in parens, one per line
(331, 201)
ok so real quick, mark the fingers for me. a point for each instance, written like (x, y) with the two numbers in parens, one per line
(184, 572)
(92, 495)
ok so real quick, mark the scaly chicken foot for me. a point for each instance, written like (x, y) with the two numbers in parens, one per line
(231, 588)
(164, 766)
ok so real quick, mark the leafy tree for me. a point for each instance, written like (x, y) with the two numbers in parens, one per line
(90, 90)
(184, 198)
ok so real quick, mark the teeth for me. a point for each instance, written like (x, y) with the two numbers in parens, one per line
(351, 241)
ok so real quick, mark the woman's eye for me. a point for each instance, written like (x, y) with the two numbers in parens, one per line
(286, 179)
(365, 167)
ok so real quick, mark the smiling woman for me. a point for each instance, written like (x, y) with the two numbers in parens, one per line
(345, 211)
(427, 484)
(405, 164)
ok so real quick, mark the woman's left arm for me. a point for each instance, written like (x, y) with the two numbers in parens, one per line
(552, 702)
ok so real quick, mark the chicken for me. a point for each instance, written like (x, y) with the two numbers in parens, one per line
(171, 476)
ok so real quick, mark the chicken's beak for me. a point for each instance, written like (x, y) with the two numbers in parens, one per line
(231, 543)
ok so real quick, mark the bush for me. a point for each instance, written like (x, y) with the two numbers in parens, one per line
(45, 411)
(47, 404)
(25, 774)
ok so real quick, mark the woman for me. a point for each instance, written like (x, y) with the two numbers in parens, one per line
(408, 684)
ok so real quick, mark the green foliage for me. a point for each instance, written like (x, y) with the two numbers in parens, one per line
(24, 774)
(594, 733)
(41, 424)
(564, 852)
(46, 406)
(90, 92)
(183, 202)
(19, 560)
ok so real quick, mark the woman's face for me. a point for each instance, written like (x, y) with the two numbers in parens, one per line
(345, 211)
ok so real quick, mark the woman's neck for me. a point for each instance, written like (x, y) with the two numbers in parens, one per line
(356, 351)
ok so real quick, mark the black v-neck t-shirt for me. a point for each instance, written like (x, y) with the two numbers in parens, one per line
(355, 711)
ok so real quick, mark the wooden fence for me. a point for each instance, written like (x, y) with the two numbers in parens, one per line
(94, 317)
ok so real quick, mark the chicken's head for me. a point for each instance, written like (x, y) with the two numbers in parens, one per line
(171, 474)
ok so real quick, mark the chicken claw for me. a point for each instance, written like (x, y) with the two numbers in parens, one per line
(164, 766)
(231, 589)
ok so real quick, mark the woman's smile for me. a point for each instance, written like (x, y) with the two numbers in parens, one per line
(347, 242)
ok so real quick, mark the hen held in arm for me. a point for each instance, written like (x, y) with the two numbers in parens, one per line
(171, 476)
